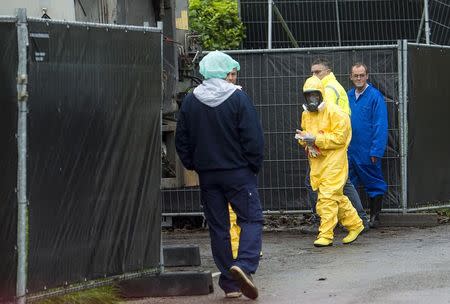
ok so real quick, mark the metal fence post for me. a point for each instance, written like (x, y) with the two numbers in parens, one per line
(338, 23)
(22, 98)
(427, 21)
(269, 24)
(403, 119)
(160, 26)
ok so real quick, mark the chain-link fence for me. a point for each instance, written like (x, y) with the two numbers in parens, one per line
(316, 23)
(440, 21)
(274, 79)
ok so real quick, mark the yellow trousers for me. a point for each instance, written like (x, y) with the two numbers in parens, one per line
(333, 209)
(235, 231)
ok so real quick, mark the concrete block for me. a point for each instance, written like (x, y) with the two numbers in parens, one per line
(408, 220)
(181, 256)
(188, 283)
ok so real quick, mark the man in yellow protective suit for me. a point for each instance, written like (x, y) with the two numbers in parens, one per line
(334, 93)
(326, 134)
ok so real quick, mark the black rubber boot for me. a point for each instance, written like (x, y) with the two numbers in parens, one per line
(375, 209)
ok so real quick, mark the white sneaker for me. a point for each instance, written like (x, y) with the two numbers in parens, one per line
(233, 294)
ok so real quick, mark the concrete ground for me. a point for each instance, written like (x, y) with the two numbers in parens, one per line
(388, 265)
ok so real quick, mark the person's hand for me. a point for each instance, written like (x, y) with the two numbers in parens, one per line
(313, 151)
(309, 139)
(374, 159)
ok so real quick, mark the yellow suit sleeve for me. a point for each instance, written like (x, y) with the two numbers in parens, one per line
(301, 142)
(339, 100)
(339, 133)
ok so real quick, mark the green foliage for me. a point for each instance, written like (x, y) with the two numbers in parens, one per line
(443, 212)
(101, 295)
(218, 23)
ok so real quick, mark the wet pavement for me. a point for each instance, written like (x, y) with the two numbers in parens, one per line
(389, 265)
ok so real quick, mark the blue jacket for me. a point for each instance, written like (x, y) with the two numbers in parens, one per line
(219, 137)
(369, 125)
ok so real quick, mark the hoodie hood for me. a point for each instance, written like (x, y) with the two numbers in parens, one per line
(213, 92)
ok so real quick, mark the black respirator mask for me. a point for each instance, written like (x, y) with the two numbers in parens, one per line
(313, 100)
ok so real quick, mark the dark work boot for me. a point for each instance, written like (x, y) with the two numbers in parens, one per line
(375, 209)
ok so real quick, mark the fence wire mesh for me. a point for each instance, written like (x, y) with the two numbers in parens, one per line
(440, 21)
(316, 23)
(273, 79)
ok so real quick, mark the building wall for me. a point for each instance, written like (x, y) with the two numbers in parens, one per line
(56, 9)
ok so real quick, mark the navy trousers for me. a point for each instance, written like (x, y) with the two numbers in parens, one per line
(369, 175)
(239, 187)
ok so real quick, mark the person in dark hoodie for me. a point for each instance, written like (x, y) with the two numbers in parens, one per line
(219, 135)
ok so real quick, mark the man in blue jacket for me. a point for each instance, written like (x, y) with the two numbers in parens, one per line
(369, 139)
(220, 137)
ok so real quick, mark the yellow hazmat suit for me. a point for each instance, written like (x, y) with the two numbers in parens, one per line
(335, 93)
(329, 170)
(235, 232)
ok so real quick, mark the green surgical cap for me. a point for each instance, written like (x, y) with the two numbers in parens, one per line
(217, 65)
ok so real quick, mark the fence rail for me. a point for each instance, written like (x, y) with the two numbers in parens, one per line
(275, 23)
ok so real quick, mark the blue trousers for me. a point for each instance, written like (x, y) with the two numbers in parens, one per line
(349, 191)
(239, 187)
(369, 175)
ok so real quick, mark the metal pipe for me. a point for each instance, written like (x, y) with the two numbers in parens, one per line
(161, 249)
(427, 22)
(22, 213)
(285, 26)
(97, 25)
(405, 125)
(429, 46)
(393, 210)
(8, 18)
(269, 24)
(400, 116)
(338, 23)
(422, 20)
(428, 208)
(310, 49)
(269, 212)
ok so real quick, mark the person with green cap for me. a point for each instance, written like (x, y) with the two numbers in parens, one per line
(219, 135)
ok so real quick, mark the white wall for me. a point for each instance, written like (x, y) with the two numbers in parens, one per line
(56, 9)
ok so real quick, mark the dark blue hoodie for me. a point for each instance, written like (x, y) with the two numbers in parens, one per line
(218, 129)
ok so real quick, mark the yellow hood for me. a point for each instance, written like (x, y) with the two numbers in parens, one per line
(313, 84)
